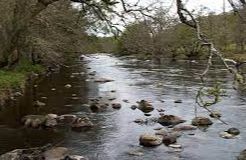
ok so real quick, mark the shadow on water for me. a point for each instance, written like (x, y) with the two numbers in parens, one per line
(115, 132)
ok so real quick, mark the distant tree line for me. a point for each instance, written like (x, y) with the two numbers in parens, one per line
(165, 36)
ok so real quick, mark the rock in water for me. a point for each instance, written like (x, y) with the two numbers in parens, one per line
(34, 121)
(56, 153)
(145, 106)
(184, 128)
(68, 86)
(67, 118)
(149, 140)
(135, 153)
(242, 155)
(133, 107)
(215, 115)
(39, 104)
(201, 121)
(51, 120)
(178, 101)
(103, 80)
(169, 139)
(233, 131)
(95, 107)
(81, 123)
(167, 120)
(116, 105)
(75, 157)
(226, 135)
(175, 146)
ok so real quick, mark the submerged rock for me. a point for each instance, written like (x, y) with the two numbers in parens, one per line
(139, 121)
(167, 120)
(133, 107)
(116, 105)
(95, 107)
(178, 101)
(145, 106)
(125, 100)
(103, 80)
(111, 99)
(81, 123)
(201, 121)
(215, 115)
(184, 128)
(135, 153)
(149, 140)
(175, 145)
(169, 139)
(160, 110)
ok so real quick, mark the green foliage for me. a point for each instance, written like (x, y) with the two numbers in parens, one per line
(16, 77)
(26, 66)
(166, 37)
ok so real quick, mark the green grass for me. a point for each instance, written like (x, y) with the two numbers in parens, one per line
(16, 77)
(11, 79)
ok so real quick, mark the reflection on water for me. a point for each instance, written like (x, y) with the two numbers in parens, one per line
(115, 133)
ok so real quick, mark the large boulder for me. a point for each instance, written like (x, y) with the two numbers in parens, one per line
(167, 120)
(145, 106)
(201, 121)
(149, 140)
(51, 120)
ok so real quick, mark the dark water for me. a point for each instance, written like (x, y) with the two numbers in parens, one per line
(115, 132)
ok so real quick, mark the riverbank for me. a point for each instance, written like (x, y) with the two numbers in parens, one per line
(13, 81)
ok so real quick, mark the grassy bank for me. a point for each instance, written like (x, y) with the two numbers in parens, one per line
(12, 80)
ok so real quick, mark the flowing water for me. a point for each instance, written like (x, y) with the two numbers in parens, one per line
(115, 133)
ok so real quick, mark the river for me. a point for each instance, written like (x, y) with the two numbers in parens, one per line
(115, 133)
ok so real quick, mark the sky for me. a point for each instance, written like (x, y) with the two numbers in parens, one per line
(196, 5)
(213, 5)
